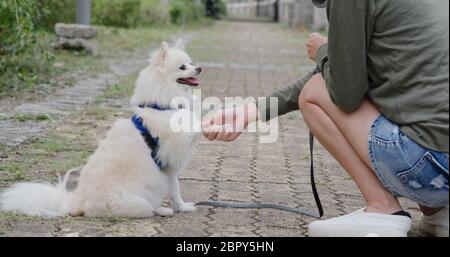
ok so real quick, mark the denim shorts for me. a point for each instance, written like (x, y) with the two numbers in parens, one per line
(406, 168)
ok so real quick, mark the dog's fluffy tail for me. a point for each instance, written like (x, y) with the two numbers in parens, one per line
(38, 199)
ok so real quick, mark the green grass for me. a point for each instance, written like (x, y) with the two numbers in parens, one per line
(116, 220)
(57, 151)
(13, 171)
(28, 117)
(118, 91)
(12, 217)
(122, 89)
(49, 154)
(55, 144)
(97, 112)
(8, 217)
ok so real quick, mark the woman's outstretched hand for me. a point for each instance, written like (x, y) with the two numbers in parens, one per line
(227, 125)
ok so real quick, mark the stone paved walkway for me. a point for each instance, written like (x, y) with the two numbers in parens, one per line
(239, 59)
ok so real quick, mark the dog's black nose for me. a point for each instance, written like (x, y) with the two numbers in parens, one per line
(199, 69)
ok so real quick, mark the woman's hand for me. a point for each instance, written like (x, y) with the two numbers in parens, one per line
(314, 42)
(227, 125)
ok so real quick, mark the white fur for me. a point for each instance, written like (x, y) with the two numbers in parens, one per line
(120, 178)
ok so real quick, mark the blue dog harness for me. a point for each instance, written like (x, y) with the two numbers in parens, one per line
(152, 142)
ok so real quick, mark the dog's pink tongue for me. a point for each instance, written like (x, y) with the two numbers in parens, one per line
(192, 81)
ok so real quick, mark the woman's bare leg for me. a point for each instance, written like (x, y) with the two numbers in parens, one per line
(345, 136)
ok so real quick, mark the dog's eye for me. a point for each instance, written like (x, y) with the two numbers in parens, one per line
(183, 67)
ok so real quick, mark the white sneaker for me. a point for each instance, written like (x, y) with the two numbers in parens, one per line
(436, 224)
(361, 224)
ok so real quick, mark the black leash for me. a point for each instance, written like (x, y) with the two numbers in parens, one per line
(313, 181)
(310, 213)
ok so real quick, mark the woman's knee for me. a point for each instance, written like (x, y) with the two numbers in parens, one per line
(311, 92)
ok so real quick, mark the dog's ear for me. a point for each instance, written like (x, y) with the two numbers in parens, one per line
(163, 52)
(180, 44)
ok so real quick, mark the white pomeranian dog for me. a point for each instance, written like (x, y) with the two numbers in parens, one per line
(136, 167)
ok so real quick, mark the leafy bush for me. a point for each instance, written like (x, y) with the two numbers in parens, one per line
(215, 8)
(185, 11)
(54, 11)
(17, 21)
(119, 13)
(27, 68)
(26, 57)
(221, 7)
(153, 12)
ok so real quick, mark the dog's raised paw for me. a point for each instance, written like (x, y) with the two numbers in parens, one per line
(186, 207)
